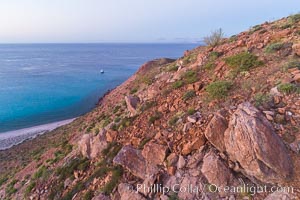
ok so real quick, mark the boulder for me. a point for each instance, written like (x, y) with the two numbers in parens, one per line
(215, 131)
(154, 153)
(132, 159)
(216, 172)
(296, 49)
(132, 103)
(251, 141)
(187, 126)
(193, 145)
(126, 192)
(98, 144)
(84, 145)
(92, 146)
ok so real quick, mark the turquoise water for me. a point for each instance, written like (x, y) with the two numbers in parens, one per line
(44, 83)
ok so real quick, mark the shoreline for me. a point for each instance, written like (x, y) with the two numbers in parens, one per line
(11, 138)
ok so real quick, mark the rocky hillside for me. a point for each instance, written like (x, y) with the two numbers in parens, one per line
(221, 122)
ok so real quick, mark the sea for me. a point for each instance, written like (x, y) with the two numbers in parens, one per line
(46, 83)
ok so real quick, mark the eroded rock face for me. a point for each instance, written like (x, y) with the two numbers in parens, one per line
(154, 153)
(131, 103)
(92, 146)
(132, 159)
(101, 197)
(84, 145)
(216, 172)
(126, 192)
(251, 141)
(296, 49)
(281, 196)
(215, 131)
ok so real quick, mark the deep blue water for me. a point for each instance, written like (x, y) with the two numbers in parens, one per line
(43, 83)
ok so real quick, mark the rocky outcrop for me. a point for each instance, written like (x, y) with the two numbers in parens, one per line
(251, 141)
(132, 103)
(296, 49)
(216, 172)
(281, 195)
(92, 146)
(132, 159)
(154, 153)
(126, 192)
(215, 130)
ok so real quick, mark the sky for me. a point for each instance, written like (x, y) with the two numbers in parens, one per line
(140, 21)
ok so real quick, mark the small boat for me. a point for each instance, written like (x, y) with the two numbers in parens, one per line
(101, 71)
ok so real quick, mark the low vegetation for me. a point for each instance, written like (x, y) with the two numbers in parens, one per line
(156, 116)
(177, 84)
(215, 38)
(261, 98)
(190, 76)
(274, 47)
(287, 88)
(243, 61)
(188, 95)
(218, 89)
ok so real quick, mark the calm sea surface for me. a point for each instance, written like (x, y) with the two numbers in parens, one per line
(44, 83)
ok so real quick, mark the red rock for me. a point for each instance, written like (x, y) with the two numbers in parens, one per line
(131, 103)
(296, 49)
(251, 140)
(215, 131)
(154, 153)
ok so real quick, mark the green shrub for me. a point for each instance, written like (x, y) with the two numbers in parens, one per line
(88, 195)
(190, 76)
(134, 90)
(215, 38)
(188, 95)
(3, 180)
(40, 173)
(243, 61)
(255, 28)
(117, 173)
(261, 98)
(287, 88)
(172, 68)
(293, 64)
(285, 26)
(274, 47)
(218, 89)
(210, 64)
(116, 109)
(10, 189)
(233, 38)
(294, 18)
(173, 120)
(177, 84)
(154, 117)
(143, 142)
(68, 169)
(29, 188)
(191, 111)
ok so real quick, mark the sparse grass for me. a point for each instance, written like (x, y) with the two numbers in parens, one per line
(88, 195)
(116, 108)
(294, 18)
(285, 26)
(255, 28)
(42, 172)
(56, 191)
(215, 38)
(191, 111)
(190, 76)
(147, 105)
(156, 116)
(67, 170)
(133, 91)
(143, 142)
(173, 120)
(188, 95)
(117, 173)
(177, 84)
(218, 89)
(111, 151)
(287, 88)
(233, 38)
(172, 68)
(77, 188)
(243, 61)
(3, 180)
(10, 189)
(210, 64)
(261, 98)
(293, 64)
(29, 188)
(274, 47)
(189, 59)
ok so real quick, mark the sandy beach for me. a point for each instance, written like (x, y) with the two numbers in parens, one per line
(11, 138)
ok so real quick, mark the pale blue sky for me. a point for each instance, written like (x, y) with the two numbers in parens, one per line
(34, 21)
